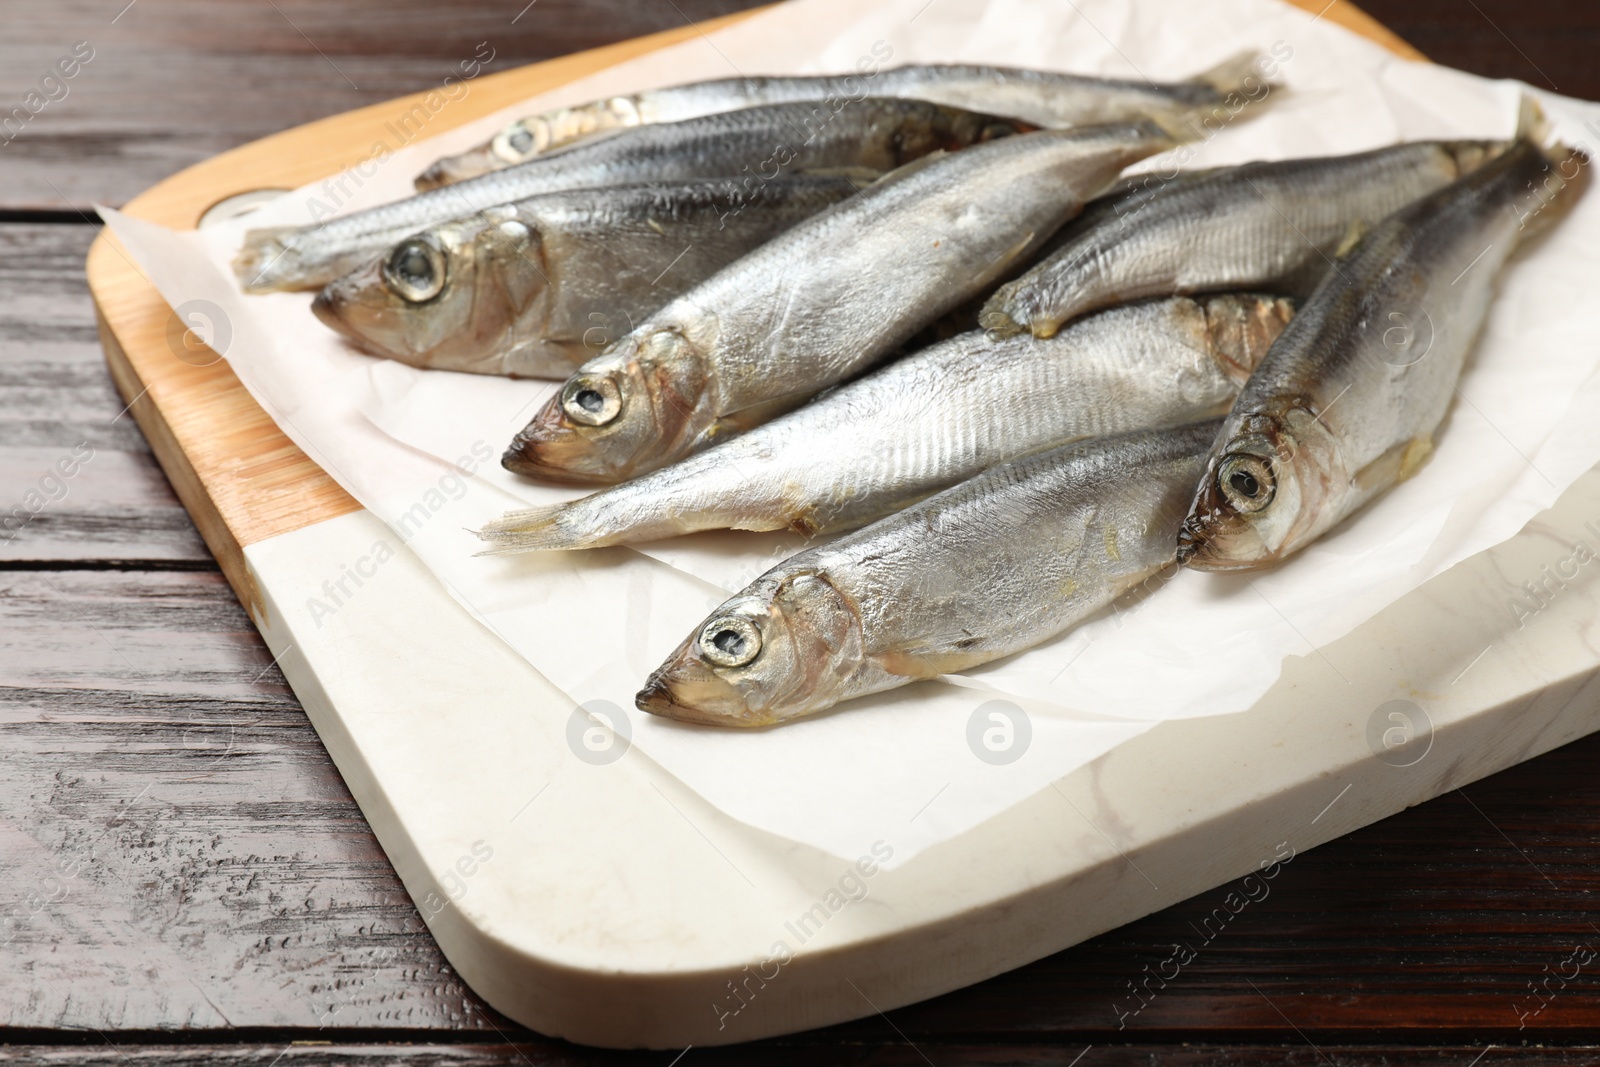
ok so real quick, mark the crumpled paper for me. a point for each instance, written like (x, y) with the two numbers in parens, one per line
(917, 766)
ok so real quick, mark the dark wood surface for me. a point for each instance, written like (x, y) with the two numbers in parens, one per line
(184, 878)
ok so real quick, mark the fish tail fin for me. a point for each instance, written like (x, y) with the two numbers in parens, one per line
(1532, 122)
(1567, 175)
(1244, 91)
(996, 318)
(1183, 128)
(620, 516)
(261, 258)
(1236, 74)
(534, 530)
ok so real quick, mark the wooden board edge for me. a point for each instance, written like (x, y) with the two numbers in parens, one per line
(232, 467)
(167, 395)
(1357, 21)
(186, 481)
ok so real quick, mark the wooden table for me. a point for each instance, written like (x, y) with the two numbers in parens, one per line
(185, 879)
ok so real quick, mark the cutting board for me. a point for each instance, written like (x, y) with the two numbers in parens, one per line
(610, 905)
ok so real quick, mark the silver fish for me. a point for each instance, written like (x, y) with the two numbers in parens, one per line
(535, 288)
(929, 421)
(1346, 403)
(993, 566)
(1043, 98)
(820, 303)
(1272, 226)
(754, 145)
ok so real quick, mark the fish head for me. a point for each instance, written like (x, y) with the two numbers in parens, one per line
(1264, 495)
(633, 408)
(449, 297)
(516, 143)
(521, 140)
(472, 163)
(786, 647)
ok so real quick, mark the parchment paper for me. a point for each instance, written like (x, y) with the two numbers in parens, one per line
(420, 449)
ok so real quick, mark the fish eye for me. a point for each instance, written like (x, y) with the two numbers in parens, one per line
(730, 641)
(1246, 482)
(415, 270)
(591, 399)
(514, 143)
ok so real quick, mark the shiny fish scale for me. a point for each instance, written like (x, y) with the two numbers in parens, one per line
(1046, 98)
(924, 423)
(1261, 225)
(995, 565)
(1343, 407)
(871, 133)
(828, 299)
(596, 261)
(1043, 98)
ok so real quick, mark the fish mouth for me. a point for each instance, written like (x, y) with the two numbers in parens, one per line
(1189, 545)
(685, 690)
(1226, 566)
(327, 306)
(550, 449)
(553, 448)
(1200, 549)
(331, 307)
(656, 699)
(524, 458)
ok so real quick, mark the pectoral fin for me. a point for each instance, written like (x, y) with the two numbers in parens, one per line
(1395, 465)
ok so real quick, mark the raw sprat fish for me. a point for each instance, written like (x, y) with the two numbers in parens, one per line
(535, 288)
(1043, 98)
(1346, 403)
(929, 421)
(1273, 226)
(820, 303)
(872, 136)
(988, 568)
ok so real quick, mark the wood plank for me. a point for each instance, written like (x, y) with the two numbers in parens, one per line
(144, 106)
(899, 1054)
(1028, 1003)
(1433, 922)
(1547, 43)
(59, 411)
(209, 869)
(180, 852)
